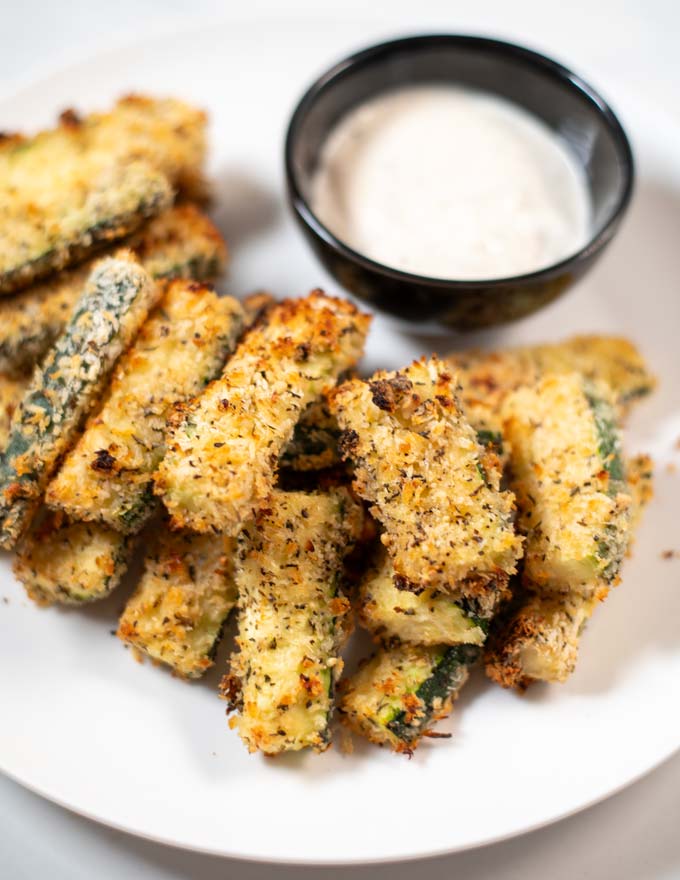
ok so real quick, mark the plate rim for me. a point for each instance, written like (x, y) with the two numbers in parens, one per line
(191, 25)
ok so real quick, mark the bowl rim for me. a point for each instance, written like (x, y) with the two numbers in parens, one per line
(545, 65)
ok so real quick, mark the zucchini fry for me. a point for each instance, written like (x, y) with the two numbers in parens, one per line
(70, 563)
(426, 618)
(288, 570)
(115, 304)
(488, 377)
(12, 390)
(539, 641)
(178, 611)
(223, 448)
(568, 476)
(181, 242)
(91, 181)
(398, 694)
(538, 638)
(183, 345)
(419, 463)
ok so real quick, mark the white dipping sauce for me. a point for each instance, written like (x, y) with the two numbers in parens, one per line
(451, 183)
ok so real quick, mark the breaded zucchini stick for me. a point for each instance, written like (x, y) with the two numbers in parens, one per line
(488, 377)
(12, 390)
(115, 304)
(91, 181)
(288, 571)
(181, 242)
(426, 618)
(418, 462)
(223, 448)
(539, 641)
(538, 638)
(177, 613)
(568, 476)
(398, 694)
(71, 563)
(107, 476)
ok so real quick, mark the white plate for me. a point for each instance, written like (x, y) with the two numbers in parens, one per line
(130, 746)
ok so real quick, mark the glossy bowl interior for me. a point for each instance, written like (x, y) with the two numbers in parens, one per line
(569, 106)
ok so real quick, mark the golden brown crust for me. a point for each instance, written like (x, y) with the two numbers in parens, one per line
(224, 447)
(419, 464)
(93, 180)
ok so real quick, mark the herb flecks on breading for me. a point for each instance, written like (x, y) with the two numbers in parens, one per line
(179, 243)
(183, 344)
(91, 181)
(70, 563)
(224, 447)
(291, 610)
(116, 302)
(186, 592)
(567, 473)
(447, 526)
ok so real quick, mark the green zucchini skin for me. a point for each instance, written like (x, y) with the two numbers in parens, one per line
(115, 303)
(568, 476)
(449, 674)
(397, 695)
(180, 243)
(121, 200)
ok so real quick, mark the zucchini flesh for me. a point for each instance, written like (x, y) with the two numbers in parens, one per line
(115, 304)
(288, 569)
(417, 460)
(425, 618)
(567, 473)
(107, 476)
(70, 563)
(180, 242)
(223, 450)
(90, 181)
(397, 695)
(185, 595)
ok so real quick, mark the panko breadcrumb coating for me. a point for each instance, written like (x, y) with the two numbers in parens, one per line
(418, 462)
(224, 447)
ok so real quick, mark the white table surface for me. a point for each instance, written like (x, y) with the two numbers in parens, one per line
(635, 834)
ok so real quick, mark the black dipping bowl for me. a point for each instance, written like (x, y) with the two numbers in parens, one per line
(567, 104)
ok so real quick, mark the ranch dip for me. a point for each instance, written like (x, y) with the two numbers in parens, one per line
(451, 183)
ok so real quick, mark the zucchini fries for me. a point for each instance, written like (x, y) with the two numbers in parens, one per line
(184, 343)
(184, 597)
(425, 618)
(71, 563)
(181, 242)
(223, 447)
(447, 526)
(288, 574)
(398, 694)
(116, 301)
(488, 377)
(567, 473)
(91, 181)
(538, 637)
